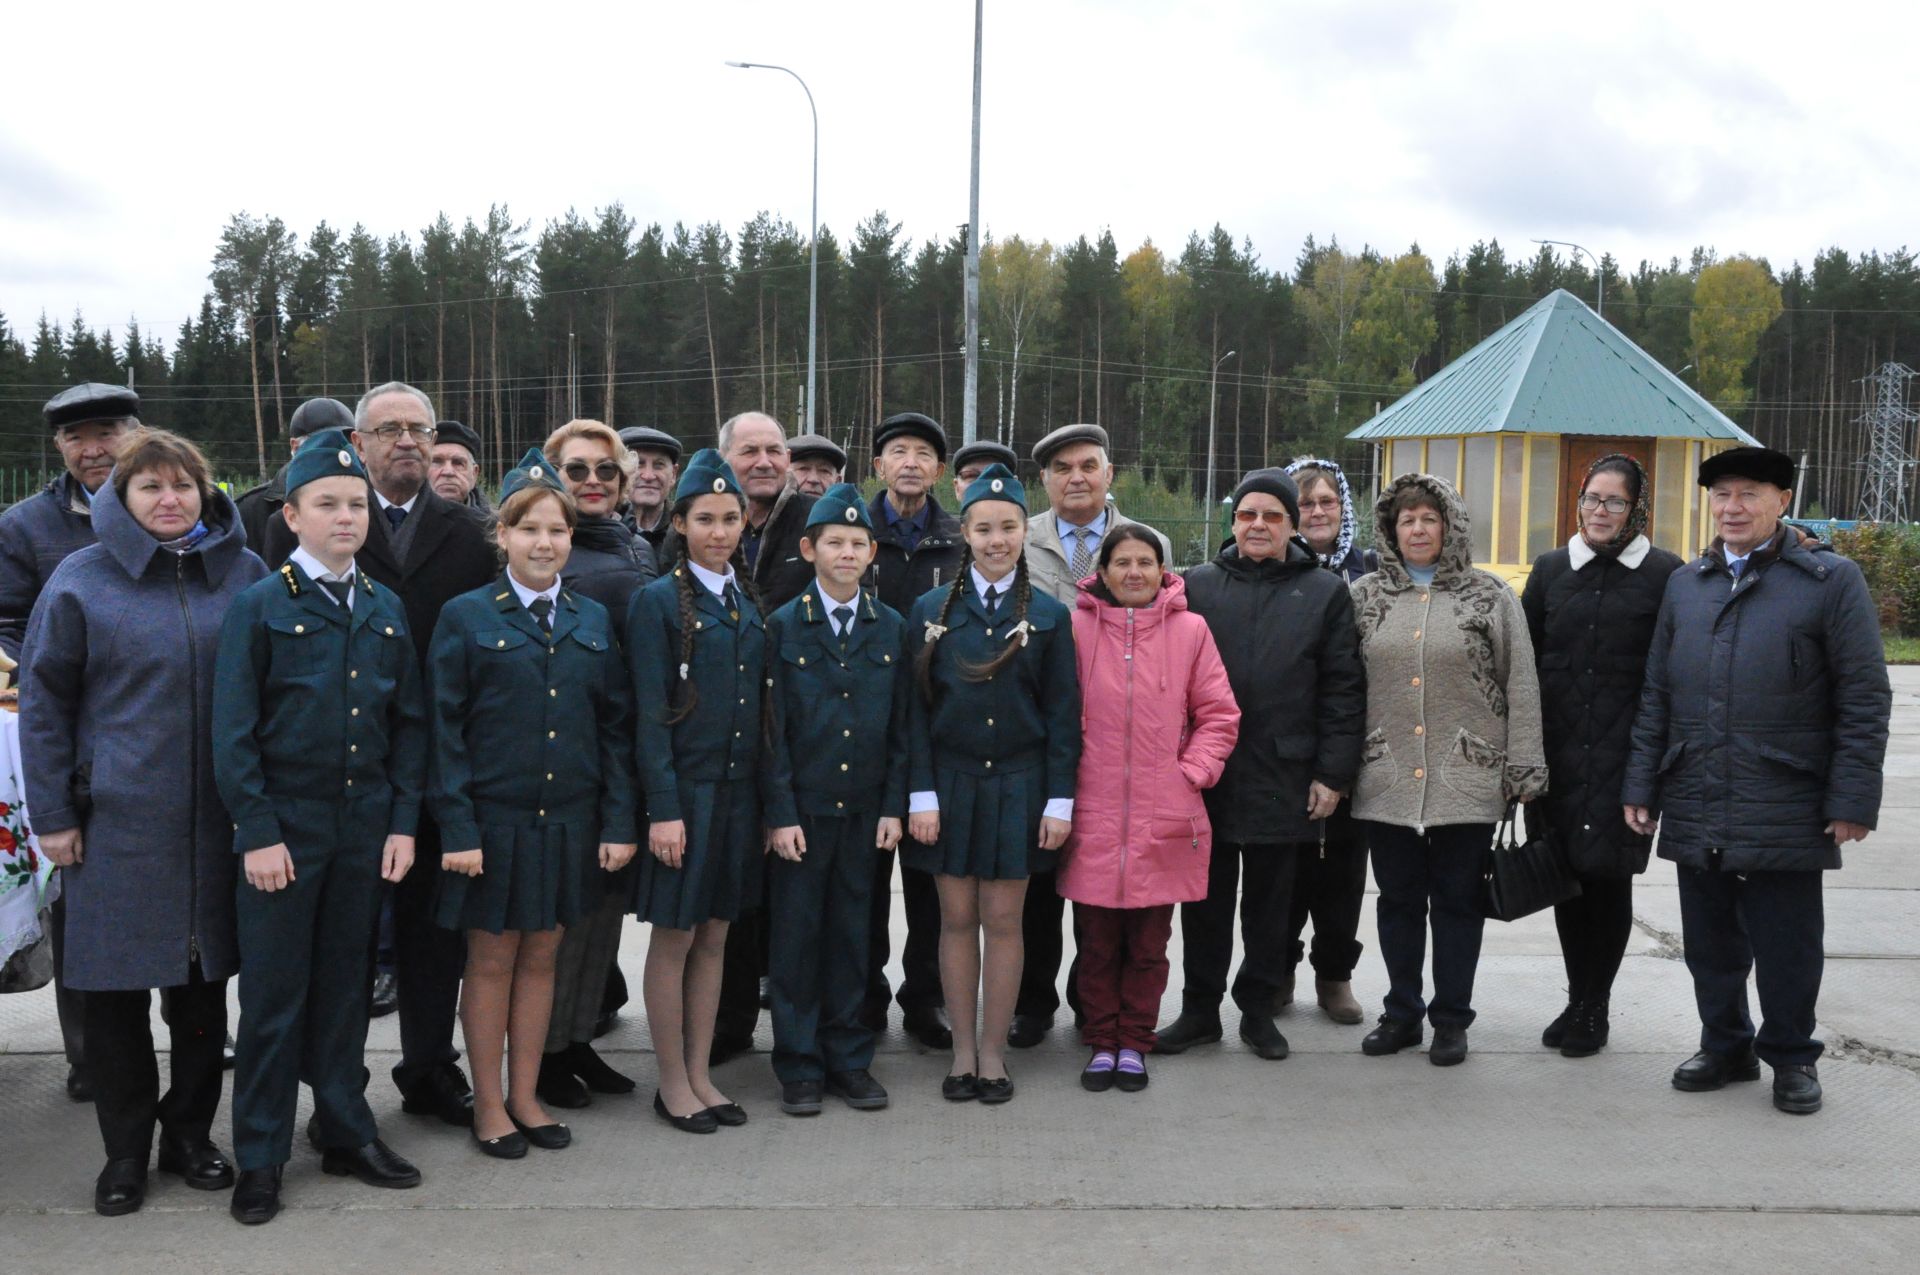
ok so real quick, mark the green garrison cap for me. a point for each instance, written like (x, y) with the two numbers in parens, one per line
(841, 505)
(534, 470)
(326, 454)
(706, 474)
(996, 482)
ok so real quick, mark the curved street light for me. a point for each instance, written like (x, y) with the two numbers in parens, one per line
(1599, 275)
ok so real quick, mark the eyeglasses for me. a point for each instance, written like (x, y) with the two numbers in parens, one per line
(1332, 505)
(1272, 517)
(1612, 504)
(389, 433)
(605, 470)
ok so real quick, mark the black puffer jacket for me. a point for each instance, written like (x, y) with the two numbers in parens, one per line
(609, 564)
(1591, 628)
(900, 577)
(1285, 631)
(1765, 711)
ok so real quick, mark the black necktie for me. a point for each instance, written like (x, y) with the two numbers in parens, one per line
(993, 602)
(730, 600)
(396, 514)
(842, 624)
(336, 589)
(542, 609)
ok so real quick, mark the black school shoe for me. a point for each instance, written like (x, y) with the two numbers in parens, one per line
(256, 1197)
(1707, 1071)
(548, 1137)
(996, 1091)
(442, 1092)
(508, 1146)
(701, 1121)
(375, 1164)
(1186, 1031)
(1392, 1036)
(196, 1161)
(121, 1188)
(801, 1097)
(858, 1089)
(1449, 1047)
(929, 1026)
(1796, 1089)
(964, 1087)
(1028, 1030)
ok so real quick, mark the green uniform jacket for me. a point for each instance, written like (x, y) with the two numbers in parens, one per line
(527, 726)
(838, 718)
(313, 705)
(1026, 717)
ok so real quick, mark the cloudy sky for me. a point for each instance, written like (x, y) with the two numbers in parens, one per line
(130, 133)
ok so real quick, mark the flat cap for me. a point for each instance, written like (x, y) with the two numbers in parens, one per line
(455, 432)
(1762, 464)
(317, 414)
(645, 438)
(1044, 449)
(914, 425)
(90, 401)
(985, 452)
(819, 446)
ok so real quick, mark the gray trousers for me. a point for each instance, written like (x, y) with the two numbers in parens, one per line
(587, 952)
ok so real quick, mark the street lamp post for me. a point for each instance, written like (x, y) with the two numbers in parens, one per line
(813, 234)
(1599, 275)
(1213, 412)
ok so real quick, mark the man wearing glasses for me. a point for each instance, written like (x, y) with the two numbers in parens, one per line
(429, 551)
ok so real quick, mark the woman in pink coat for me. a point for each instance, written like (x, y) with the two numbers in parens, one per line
(1157, 722)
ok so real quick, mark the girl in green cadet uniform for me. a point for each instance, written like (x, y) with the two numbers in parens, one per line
(696, 646)
(531, 784)
(994, 744)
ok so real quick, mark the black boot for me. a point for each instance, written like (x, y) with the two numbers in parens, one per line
(593, 1070)
(1556, 1033)
(1586, 1032)
(1192, 1028)
(1259, 1031)
(557, 1086)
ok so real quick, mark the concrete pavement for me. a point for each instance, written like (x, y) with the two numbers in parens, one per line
(1518, 1160)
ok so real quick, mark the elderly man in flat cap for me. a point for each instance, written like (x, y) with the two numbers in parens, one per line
(656, 468)
(89, 422)
(1757, 753)
(260, 506)
(974, 457)
(453, 466)
(817, 463)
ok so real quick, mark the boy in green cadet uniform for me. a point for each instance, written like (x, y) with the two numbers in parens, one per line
(839, 703)
(320, 748)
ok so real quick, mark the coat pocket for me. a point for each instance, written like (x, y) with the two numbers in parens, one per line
(297, 646)
(1474, 768)
(1378, 774)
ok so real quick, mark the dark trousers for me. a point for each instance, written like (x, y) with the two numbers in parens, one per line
(126, 1075)
(1121, 972)
(428, 962)
(818, 912)
(68, 1003)
(303, 999)
(920, 954)
(1207, 928)
(1439, 870)
(1329, 884)
(589, 953)
(1594, 926)
(1770, 924)
(1042, 926)
(747, 961)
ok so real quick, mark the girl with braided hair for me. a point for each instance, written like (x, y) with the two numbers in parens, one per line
(696, 646)
(993, 751)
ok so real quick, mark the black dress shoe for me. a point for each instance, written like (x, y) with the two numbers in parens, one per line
(996, 1091)
(930, 1026)
(858, 1089)
(226, 1053)
(1707, 1070)
(386, 995)
(197, 1161)
(79, 1088)
(729, 1114)
(1028, 1030)
(1449, 1046)
(508, 1146)
(1260, 1033)
(730, 1045)
(256, 1196)
(1186, 1031)
(558, 1086)
(374, 1164)
(548, 1137)
(594, 1072)
(962, 1088)
(442, 1092)
(121, 1188)
(1796, 1089)
(701, 1121)
(801, 1097)
(1392, 1036)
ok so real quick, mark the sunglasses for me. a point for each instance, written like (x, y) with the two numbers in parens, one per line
(606, 470)
(1272, 517)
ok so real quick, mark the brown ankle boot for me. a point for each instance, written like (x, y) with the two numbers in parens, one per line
(1337, 999)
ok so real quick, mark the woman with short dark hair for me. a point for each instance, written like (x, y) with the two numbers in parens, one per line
(116, 734)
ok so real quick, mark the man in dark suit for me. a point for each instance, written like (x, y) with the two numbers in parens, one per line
(428, 551)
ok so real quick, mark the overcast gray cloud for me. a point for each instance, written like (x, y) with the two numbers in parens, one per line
(1636, 128)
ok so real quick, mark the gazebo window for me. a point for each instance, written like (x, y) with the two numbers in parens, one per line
(1671, 521)
(1513, 495)
(1479, 477)
(1443, 461)
(1543, 493)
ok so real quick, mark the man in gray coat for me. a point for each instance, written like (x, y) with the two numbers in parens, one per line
(1757, 752)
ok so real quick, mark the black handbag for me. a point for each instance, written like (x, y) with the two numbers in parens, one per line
(1523, 877)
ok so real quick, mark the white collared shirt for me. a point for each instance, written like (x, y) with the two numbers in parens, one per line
(317, 570)
(712, 581)
(853, 608)
(551, 593)
(388, 504)
(986, 591)
(1580, 553)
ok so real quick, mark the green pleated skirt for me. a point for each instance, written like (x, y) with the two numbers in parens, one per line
(989, 826)
(532, 877)
(720, 874)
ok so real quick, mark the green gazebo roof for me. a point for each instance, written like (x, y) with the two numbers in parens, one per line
(1557, 369)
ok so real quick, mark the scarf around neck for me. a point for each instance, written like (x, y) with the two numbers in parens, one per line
(182, 544)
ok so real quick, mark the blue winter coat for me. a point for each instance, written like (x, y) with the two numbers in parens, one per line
(117, 675)
(36, 536)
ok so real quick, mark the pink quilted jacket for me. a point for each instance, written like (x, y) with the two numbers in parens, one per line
(1157, 722)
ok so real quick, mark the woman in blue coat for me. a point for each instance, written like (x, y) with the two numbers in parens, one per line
(116, 735)
(697, 649)
(531, 785)
(993, 748)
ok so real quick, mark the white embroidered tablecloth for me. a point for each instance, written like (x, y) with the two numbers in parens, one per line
(27, 881)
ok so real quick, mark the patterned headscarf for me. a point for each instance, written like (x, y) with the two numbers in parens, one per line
(1344, 545)
(1637, 516)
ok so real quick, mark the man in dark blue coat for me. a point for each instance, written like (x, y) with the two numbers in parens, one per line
(1757, 752)
(88, 422)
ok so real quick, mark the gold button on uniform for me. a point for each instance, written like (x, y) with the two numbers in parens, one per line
(299, 628)
(543, 814)
(501, 642)
(989, 766)
(353, 748)
(389, 630)
(554, 692)
(843, 765)
(846, 734)
(989, 721)
(549, 774)
(551, 734)
(355, 713)
(838, 805)
(353, 672)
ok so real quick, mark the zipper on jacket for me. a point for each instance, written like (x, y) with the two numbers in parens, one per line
(193, 769)
(1126, 765)
(1426, 736)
